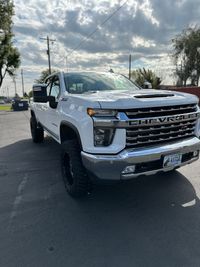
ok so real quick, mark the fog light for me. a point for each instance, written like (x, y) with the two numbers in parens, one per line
(129, 169)
(195, 153)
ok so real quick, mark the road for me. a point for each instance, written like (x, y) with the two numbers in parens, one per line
(151, 221)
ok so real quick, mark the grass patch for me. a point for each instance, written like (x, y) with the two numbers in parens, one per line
(5, 107)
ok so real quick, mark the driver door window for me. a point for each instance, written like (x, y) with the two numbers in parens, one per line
(55, 88)
(48, 82)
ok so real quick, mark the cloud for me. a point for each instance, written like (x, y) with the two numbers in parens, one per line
(143, 28)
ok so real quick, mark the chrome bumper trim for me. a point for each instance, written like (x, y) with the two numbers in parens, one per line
(110, 167)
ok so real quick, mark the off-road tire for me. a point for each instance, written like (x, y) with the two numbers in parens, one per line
(74, 174)
(37, 131)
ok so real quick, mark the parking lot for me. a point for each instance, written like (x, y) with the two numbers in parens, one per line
(150, 221)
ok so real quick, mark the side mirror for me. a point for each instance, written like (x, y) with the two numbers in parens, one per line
(40, 93)
(52, 102)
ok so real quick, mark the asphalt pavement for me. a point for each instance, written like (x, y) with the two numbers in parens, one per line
(151, 221)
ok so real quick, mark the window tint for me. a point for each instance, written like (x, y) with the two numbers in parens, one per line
(55, 88)
(79, 83)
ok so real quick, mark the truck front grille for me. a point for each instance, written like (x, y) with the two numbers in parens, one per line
(146, 135)
(160, 111)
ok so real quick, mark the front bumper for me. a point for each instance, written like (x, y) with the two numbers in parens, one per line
(148, 161)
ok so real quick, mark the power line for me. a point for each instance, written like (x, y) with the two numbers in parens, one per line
(84, 39)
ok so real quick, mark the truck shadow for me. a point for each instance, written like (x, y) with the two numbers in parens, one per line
(150, 221)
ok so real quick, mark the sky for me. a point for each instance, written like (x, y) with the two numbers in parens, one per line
(142, 28)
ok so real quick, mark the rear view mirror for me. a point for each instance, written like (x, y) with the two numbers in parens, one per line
(40, 93)
(52, 102)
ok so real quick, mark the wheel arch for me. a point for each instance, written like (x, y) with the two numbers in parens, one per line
(68, 132)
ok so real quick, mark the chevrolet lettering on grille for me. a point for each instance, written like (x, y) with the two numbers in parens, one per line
(163, 120)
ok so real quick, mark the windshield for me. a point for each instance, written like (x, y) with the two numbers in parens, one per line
(79, 83)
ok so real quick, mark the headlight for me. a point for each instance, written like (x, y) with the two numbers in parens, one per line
(101, 112)
(103, 137)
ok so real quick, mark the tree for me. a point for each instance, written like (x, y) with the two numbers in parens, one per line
(9, 55)
(44, 74)
(186, 55)
(25, 95)
(30, 94)
(141, 76)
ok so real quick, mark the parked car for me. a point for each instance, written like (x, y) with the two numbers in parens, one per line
(18, 105)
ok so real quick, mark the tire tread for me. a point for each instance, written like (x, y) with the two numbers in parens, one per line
(80, 186)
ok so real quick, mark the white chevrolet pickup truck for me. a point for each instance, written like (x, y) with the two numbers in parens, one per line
(111, 130)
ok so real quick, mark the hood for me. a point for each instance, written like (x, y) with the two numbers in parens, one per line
(137, 99)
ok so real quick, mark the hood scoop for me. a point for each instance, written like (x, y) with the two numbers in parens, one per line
(154, 95)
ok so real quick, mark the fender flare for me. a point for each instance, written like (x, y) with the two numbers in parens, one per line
(74, 128)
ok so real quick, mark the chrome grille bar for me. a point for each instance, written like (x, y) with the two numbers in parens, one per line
(161, 127)
(150, 142)
(157, 135)
(160, 111)
(164, 120)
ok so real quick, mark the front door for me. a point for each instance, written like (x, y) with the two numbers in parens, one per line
(52, 119)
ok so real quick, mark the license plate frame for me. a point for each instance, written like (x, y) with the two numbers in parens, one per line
(172, 160)
(20, 105)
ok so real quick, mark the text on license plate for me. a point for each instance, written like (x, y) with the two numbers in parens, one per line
(172, 160)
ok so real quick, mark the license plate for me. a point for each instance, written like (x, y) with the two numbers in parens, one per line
(172, 160)
(21, 104)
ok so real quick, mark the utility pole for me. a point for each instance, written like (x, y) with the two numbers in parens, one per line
(8, 92)
(22, 74)
(129, 75)
(14, 81)
(48, 50)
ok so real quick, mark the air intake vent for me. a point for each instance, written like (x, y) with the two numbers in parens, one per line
(154, 95)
